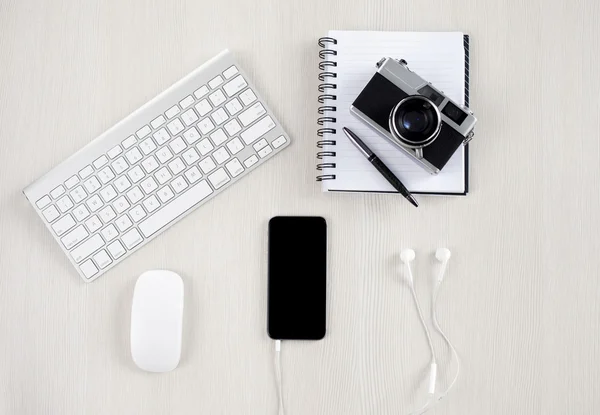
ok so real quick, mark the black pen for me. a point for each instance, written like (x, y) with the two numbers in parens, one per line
(381, 168)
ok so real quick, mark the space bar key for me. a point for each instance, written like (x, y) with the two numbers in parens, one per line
(174, 209)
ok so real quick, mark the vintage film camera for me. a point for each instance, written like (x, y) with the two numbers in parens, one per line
(413, 115)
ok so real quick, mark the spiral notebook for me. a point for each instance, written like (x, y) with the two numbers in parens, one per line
(348, 61)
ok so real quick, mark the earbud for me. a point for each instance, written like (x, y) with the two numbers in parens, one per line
(443, 255)
(407, 255)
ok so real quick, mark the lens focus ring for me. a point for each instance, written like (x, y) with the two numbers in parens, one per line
(415, 122)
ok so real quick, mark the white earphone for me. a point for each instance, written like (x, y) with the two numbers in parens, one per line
(443, 255)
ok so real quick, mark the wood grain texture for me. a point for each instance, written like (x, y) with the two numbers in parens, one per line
(521, 294)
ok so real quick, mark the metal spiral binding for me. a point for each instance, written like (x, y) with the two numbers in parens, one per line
(327, 77)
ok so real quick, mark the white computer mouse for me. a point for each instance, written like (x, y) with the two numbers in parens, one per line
(157, 321)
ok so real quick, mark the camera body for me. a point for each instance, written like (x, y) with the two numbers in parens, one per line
(413, 115)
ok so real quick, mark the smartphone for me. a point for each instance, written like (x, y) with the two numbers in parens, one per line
(297, 278)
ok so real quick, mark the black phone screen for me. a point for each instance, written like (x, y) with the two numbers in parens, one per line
(297, 278)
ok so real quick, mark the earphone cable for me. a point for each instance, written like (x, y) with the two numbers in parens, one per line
(436, 325)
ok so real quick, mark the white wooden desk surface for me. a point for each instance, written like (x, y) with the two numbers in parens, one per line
(521, 295)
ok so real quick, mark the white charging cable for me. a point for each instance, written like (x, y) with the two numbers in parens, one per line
(278, 375)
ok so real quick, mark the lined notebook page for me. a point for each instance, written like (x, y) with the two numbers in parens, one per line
(438, 58)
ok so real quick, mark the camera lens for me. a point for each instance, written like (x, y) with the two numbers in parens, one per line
(415, 121)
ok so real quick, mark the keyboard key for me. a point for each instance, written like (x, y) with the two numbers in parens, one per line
(206, 126)
(207, 165)
(109, 233)
(116, 249)
(161, 136)
(93, 224)
(165, 194)
(189, 117)
(191, 136)
(114, 152)
(204, 146)
(221, 155)
(158, 121)
(200, 92)
(234, 167)
(175, 208)
(148, 185)
(175, 126)
(119, 165)
(143, 132)
(176, 166)
(136, 174)
(72, 182)
(250, 115)
(132, 238)
(88, 268)
(87, 248)
(100, 161)
(258, 130)
(217, 98)
(102, 259)
(215, 82)
(106, 175)
(247, 96)
(265, 151)
(179, 184)
(229, 72)
(137, 213)
(128, 142)
(219, 178)
(57, 191)
(86, 172)
(164, 154)
(150, 164)
(186, 102)
(92, 184)
(94, 203)
(163, 175)
(235, 146)
(193, 174)
(190, 156)
(81, 212)
(78, 194)
(218, 137)
(122, 184)
(123, 223)
(177, 145)
(148, 146)
(63, 224)
(133, 155)
(173, 111)
(151, 204)
(64, 204)
(233, 127)
(43, 202)
(235, 85)
(107, 214)
(219, 116)
(251, 161)
(203, 107)
(260, 144)
(121, 204)
(278, 142)
(233, 106)
(74, 237)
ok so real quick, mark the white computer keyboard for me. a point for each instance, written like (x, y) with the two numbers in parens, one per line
(154, 167)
